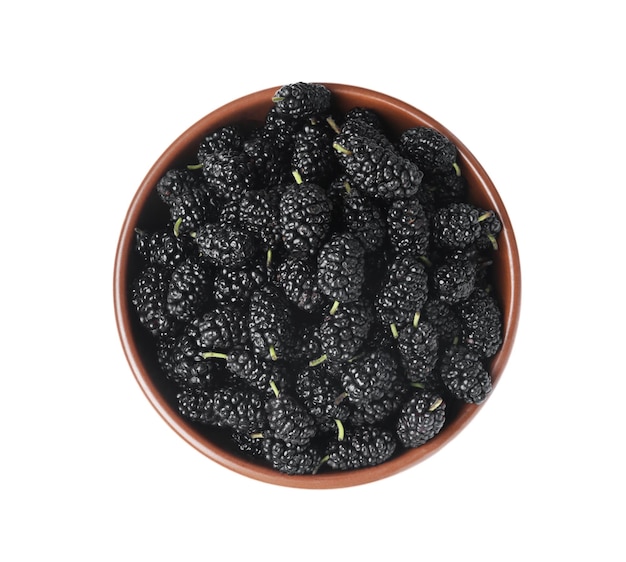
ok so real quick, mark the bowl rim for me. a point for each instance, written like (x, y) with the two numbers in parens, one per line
(408, 458)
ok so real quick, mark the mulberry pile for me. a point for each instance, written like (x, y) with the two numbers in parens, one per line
(319, 293)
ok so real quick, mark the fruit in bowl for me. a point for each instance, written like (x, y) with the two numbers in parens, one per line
(317, 285)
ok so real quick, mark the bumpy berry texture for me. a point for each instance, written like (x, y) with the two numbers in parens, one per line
(296, 276)
(225, 245)
(409, 228)
(403, 293)
(305, 217)
(288, 419)
(418, 346)
(341, 268)
(302, 99)
(188, 289)
(428, 148)
(318, 290)
(361, 447)
(370, 376)
(149, 299)
(270, 323)
(481, 323)
(464, 374)
(291, 458)
(343, 333)
(377, 170)
(457, 225)
(421, 418)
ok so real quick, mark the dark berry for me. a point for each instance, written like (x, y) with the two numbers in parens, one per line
(302, 99)
(369, 376)
(341, 268)
(456, 225)
(420, 418)
(418, 344)
(403, 292)
(188, 290)
(239, 407)
(481, 323)
(149, 298)
(361, 447)
(408, 227)
(305, 216)
(363, 218)
(270, 324)
(464, 374)
(428, 148)
(378, 171)
(343, 333)
(289, 420)
(322, 395)
(225, 245)
(291, 458)
(296, 276)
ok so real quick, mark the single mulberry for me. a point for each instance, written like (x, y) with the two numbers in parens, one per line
(305, 218)
(341, 268)
(428, 148)
(361, 447)
(403, 292)
(464, 374)
(420, 418)
(302, 99)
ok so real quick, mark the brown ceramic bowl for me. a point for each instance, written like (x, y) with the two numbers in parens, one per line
(146, 210)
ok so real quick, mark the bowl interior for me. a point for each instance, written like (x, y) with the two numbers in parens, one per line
(146, 211)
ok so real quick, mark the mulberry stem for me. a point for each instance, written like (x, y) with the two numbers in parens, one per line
(341, 149)
(177, 224)
(216, 354)
(416, 319)
(274, 388)
(456, 168)
(394, 330)
(297, 176)
(341, 433)
(436, 404)
(334, 308)
(333, 124)
(318, 361)
(273, 353)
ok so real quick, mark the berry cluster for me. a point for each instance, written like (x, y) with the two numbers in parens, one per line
(321, 292)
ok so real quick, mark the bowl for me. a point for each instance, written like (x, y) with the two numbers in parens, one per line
(146, 210)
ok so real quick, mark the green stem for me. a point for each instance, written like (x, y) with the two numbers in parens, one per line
(297, 176)
(194, 166)
(177, 224)
(416, 319)
(318, 361)
(341, 432)
(341, 149)
(274, 388)
(436, 404)
(215, 354)
(334, 308)
(394, 330)
(457, 169)
(333, 124)
(273, 353)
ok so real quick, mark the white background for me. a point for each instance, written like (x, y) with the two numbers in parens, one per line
(91, 96)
